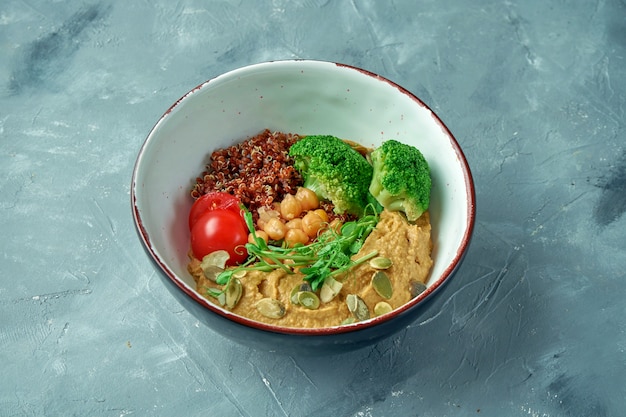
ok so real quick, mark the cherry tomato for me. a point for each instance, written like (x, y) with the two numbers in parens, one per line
(211, 201)
(220, 229)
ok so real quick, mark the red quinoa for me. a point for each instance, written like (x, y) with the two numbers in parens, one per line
(258, 170)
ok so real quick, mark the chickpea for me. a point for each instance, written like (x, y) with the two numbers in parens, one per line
(312, 223)
(335, 225)
(275, 229)
(266, 213)
(259, 233)
(294, 236)
(294, 224)
(290, 207)
(322, 213)
(307, 198)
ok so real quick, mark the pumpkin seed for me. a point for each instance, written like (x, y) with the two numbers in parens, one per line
(308, 300)
(303, 286)
(270, 308)
(348, 320)
(380, 262)
(214, 263)
(357, 307)
(240, 274)
(382, 285)
(330, 289)
(381, 308)
(293, 295)
(221, 298)
(416, 288)
(232, 292)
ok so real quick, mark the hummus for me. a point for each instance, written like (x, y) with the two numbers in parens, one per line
(407, 245)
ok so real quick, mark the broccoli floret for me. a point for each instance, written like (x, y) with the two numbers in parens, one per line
(334, 171)
(401, 179)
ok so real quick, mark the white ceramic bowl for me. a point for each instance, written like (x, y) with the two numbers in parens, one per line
(304, 97)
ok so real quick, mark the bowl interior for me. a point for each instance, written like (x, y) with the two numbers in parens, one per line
(304, 97)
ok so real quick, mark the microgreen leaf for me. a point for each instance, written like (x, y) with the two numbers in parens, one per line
(224, 276)
(328, 256)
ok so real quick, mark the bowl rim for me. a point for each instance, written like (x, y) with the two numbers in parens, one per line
(323, 331)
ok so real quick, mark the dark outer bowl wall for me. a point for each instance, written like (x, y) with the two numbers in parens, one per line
(298, 344)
